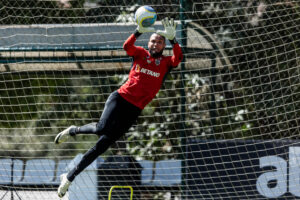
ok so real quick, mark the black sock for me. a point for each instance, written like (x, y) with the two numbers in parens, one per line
(86, 129)
(73, 131)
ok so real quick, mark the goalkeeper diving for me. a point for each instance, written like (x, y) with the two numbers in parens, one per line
(124, 105)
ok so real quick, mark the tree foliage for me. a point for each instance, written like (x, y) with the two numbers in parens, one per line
(260, 38)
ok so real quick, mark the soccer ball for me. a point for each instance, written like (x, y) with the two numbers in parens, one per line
(145, 16)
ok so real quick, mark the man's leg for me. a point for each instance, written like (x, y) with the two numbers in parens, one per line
(101, 146)
(117, 117)
(74, 130)
(110, 111)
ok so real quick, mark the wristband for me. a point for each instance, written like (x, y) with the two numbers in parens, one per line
(137, 33)
(174, 41)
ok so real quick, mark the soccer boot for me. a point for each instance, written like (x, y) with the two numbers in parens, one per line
(64, 185)
(63, 136)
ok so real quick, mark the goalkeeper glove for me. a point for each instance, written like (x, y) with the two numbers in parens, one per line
(141, 29)
(170, 29)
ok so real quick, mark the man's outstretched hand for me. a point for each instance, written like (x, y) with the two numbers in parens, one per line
(170, 28)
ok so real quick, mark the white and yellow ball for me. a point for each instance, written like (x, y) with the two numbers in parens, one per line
(145, 16)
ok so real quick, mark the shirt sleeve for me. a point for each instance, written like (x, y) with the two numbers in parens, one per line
(177, 55)
(130, 48)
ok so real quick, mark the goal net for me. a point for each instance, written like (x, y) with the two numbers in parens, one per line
(224, 125)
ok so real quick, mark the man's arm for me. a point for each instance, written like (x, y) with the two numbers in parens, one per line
(129, 46)
(177, 54)
(169, 33)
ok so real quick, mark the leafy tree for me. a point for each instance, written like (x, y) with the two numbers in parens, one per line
(260, 38)
(41, 12)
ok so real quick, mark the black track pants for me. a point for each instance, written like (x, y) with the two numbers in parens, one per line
(117, 117)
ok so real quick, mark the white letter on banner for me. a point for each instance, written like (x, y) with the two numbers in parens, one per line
(294, 174)
(280, 175)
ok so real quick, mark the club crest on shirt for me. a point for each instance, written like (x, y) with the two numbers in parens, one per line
(148, 61)
(157, 61)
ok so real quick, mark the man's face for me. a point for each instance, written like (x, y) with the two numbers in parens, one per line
(156, 44)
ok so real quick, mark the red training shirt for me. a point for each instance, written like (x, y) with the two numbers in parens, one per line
(147, 73)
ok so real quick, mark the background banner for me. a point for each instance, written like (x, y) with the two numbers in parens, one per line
(241, 169)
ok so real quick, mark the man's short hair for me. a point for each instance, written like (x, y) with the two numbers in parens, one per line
(163, 37)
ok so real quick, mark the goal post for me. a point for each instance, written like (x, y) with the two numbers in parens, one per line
(225, 124)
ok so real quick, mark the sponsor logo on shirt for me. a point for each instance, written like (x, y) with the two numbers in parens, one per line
(149, 72)
(137, 68)
(146, 71)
